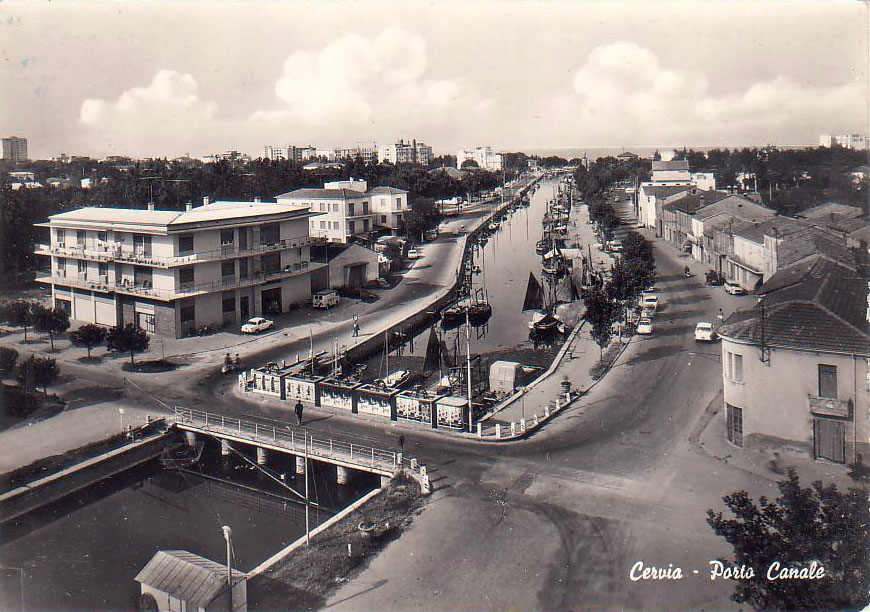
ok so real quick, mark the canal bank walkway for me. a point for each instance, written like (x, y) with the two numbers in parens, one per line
(67, 431)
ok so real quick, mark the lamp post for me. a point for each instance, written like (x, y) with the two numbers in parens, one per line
(228, 535)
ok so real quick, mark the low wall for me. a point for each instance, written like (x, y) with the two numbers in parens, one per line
(34, 495)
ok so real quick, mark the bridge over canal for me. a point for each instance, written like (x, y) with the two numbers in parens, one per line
(296, 441)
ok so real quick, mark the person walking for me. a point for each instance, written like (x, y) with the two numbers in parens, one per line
(299, 412)
(355, 327)
(721, 316)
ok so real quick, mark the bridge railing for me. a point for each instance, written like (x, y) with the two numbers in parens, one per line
(291, 438)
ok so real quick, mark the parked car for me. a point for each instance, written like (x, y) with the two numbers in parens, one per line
(704, 332)
(648, 300)
(325, 299)
(644, 326)
(256, 325)
(414, 254)
(734, 289)
(714, 278)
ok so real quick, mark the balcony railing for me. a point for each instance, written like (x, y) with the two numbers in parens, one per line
(114, 252)
(146, 289)
(830, 406)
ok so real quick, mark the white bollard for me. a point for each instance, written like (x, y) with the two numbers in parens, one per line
(536, 418)
(413, 464)
(498, 430)
(479, 429)
(547, 411)
(513, 428)
(522, 424)
(557, 404)
(567, 396)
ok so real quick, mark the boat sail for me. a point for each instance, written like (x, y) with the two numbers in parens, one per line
(534, 299)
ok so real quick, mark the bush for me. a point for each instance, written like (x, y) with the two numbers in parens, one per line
(8, 357)
(88, 335)
(37, 372)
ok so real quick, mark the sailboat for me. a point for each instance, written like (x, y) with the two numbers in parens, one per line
(543, 321)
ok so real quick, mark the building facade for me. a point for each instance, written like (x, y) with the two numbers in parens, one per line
(859, 142)
(672, 172)
(795, 367)
(15, 149)
(173, 273)
(482, 156)
(402, 152)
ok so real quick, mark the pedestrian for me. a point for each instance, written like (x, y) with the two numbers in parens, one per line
(355, 329)
(299, 412)
(721, 315)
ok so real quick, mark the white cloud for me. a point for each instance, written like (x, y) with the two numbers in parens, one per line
(623, 93)
(162, 118)
(359, 87)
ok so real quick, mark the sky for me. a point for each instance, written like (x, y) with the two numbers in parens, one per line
(168, 78)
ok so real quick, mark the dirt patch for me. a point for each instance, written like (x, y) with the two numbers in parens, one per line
(51, 465)
(154, 366)
(603, 365)
(93, 359)
(305, 578)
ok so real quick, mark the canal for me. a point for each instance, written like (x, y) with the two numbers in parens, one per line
(84, 552)
(504, 261)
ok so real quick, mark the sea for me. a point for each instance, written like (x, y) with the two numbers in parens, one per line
(593, 153)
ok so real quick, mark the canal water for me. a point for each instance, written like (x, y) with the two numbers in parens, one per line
(84, 552)
(505, 262)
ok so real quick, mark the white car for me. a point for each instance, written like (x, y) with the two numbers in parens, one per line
(644, 326)
(649, 302)
(414, 254)
(734, 288)
(704, 332)
(256, 325)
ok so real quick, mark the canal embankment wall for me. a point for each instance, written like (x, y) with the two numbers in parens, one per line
(46, 490)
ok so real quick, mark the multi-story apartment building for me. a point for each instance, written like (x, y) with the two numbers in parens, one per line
(172, 272)
(348, 208)
(290, 153)
(368, 153)
(847, 141)
(482, 156)
(407, 153)
(15, 149)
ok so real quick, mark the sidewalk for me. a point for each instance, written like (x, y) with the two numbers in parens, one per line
(69, 430)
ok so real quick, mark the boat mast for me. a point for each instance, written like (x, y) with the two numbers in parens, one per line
(468, 360)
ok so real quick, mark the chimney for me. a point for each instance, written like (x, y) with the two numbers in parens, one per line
(188, 207)
(205, 200)
(150, 205)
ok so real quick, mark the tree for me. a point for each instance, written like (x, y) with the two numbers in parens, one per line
(601, 312)
(802, 525)
(88, 335)
(37, 372)
(20, 313)
(51, 320)
(127, 338)
(469, 163)
(8, 357)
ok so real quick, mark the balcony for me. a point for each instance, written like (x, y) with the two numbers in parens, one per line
(146, 289)
(827, 406)
(114, 252)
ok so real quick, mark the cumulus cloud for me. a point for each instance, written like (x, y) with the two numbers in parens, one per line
(373, 84)
(624, 93)
(161, 118)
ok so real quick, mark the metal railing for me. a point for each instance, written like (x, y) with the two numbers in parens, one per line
(293, 439)
(114, 252)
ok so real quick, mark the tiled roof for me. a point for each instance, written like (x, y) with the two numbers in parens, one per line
(737, 206)
(676, 164)
(817, 304)
(385, 189)
(663, 191)
(778, 226)
(696, 200)
(810, 242)
(168, 219)
(321, 194)
(186, 576)
(830, 210)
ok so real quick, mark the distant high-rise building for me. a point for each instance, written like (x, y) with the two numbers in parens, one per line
(847, 141)
(15, 149)
(407, 153)
(482, 156)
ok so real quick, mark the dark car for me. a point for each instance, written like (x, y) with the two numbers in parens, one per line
(715, 279)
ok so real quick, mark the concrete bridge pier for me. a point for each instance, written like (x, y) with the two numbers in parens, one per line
(190, 438)
(342, 474)
(262, 456)
(226, 448)
(385, 480)
(300, 464)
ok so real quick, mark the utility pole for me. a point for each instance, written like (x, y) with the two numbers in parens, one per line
(228, 534)
(468, 358)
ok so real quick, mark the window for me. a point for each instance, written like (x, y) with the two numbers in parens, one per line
(350, 208)
(399, 202)
(365, 208)
(61, 266)
(383, 219)
(228, 304)
(60, 235)
(733, 367)
(185, 243)
(188, 313)
(735, 424)
(335, 225)
(185, 276)
(81, 236)
(102, 236)
(828, 381)
(227, 237)
(83, 268)
(351, 227)
(365, 225)
(243, 268)
(335, 207)
(243, 238)
(270, 234)
(228, 268)
(271, 262)
(323, 225)
(103, 268)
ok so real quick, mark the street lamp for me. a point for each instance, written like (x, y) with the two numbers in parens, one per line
(228, 535)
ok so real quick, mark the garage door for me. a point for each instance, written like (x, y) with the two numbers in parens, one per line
(84, 309)
(106, 313)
